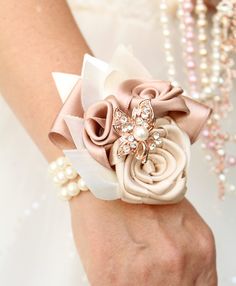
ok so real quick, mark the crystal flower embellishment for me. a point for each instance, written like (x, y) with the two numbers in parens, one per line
(137, 133)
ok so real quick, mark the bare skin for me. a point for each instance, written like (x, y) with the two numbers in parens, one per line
(119, 243)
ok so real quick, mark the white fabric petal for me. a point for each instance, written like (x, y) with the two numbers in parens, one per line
(75, 126)
(123, 66)
(65, 83)
(124, 61)
(101, 181)
(94, 72)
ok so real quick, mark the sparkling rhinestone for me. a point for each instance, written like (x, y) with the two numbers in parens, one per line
(133, 145)
(144, 115)
(126, 149)
(145, 124)
(123, 119)
(139, 121)
(158, 142)
(125, 128)
(152, 146)
(136, 112)
(129, 127)
(146, 110)
(118, 113)
(131, 138)
(122, 139)
(156, 135)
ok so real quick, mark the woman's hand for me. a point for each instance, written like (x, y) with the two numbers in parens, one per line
(128, 245)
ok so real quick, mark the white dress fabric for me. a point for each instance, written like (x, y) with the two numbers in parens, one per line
(36, 244)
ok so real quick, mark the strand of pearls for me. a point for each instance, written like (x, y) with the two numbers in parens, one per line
(218, 95)
(201, 12)
(164, 21)
(225, 21)
(216, 54)
(215, 82)
(185, 9)
(66, 177)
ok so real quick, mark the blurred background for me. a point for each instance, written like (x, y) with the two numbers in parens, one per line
(36, 245)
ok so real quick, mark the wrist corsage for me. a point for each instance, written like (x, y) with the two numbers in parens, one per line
(126, 134)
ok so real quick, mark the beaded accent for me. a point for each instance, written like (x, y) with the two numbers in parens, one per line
(66, 178)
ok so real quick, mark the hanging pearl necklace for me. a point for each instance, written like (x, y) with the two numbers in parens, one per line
(218, 96)
(168, 50)
(187, 21)
(201, 12)
(213, 83)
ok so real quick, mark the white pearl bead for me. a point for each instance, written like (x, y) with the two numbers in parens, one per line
(216, 67)
(203, 52)
(164, 19)
(232, 188)
(202, 37)
(163, 6)
(203, 146)
(208, 157)
(201, 23)
(222, 177)
(216, 43)
(205, 80)
(81, 184)
(169, 59)
(203, 66)
(216, 55)
(61, 162)
(73, 189)
(221, 152)
(166, 32)
(200, 8)
(55, 180)
(140, 133)
(167, 45)
(216, 116)
(171, 71)
(61, 177)
(52, 167)
(63, 194)
(70, 172)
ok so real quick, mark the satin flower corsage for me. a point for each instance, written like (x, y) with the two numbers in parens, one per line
(127, 135)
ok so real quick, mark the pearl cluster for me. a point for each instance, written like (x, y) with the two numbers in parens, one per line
(66, 177)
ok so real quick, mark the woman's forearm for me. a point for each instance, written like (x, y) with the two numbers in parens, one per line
(37, 38)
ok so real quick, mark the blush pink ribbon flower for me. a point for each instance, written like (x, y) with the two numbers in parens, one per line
(83, 127)
(98, 134)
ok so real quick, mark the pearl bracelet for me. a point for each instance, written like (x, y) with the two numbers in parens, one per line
(66, 177)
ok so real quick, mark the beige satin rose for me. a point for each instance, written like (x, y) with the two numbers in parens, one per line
(162, 179)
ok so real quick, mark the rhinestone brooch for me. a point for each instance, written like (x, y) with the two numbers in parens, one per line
(137, 133)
